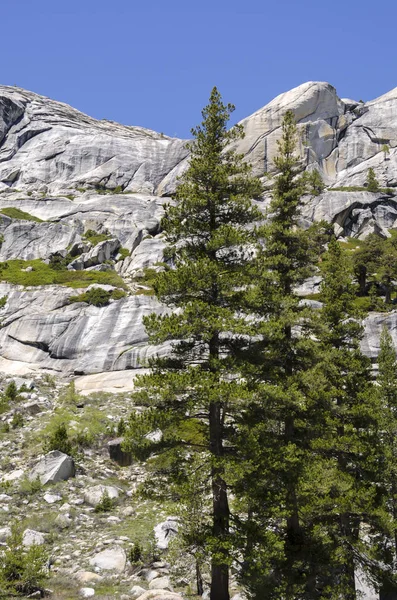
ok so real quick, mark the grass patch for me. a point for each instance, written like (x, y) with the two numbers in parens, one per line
(351, 244)
(94, 237)
(359, 188)
(16, 213)
(43, 274)
(98, 296)
(124, 253)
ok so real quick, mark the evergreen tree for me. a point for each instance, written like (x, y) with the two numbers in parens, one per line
(194, 394)
(387, 394)
(315, 183)
(277, 421)
(366, 260)
(372, 182)
(347, 443)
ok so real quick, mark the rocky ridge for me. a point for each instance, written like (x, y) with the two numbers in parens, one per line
(64, 174)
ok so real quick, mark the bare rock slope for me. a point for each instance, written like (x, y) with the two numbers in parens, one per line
(91, 193)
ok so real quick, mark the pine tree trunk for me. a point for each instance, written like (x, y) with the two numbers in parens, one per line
(362, 280)
(293, 545)
(219, 570)
(388, 292)
(199, 580)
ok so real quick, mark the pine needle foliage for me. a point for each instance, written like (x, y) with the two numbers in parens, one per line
(193, 394)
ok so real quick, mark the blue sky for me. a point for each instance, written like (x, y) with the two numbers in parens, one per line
(153, 63)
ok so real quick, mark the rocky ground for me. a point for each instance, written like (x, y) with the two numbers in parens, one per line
(52, 498)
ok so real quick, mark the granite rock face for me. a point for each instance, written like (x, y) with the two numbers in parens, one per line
(48, 145)
(76, 174)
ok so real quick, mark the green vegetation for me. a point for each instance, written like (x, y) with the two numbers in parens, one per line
(315, 183)
(3, 301)
(124, 253)
(358, 188)
(22, 571)
(94, 237)
(203, 232)
(58, 440)
(283, 433)
(98, 296)
(106, 504)
(17, 420)
(43, 274)
(16, 213)
(372, 182)
(11, 392)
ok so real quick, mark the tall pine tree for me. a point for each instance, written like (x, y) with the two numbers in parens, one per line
(193, 395)
(278, 420)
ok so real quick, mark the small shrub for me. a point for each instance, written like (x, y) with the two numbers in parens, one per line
(59, 440)
(11, 392)
(135, 553)
(29, 487)
(22, 571)
(105, 504)
(17, 420)
(98, 297)
(3, 301)
(121, 427)
(83, 439)
(372, 182)
(94, 237)
(49, 380)
(124, 253)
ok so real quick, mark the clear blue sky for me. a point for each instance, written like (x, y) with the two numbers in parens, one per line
(153, 63)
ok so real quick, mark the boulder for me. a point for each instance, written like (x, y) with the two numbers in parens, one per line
(5, 532)
(159, 595)
(166, 531)
(87, 577)
(124, 459)
(54, 466)
(111, 559)
(94, 495)
(63, 521)
(52, 498)
(136, 591)
(31, 537)
(86, 592)
(161, 583)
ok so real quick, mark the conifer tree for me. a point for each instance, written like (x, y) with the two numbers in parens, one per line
(372, 182)
(348, 440)
(194, 393)
(387, 394)
(277, 420)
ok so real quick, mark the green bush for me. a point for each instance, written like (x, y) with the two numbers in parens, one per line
(105, 504)
(94, 237)
(22, 571)
(29, 487)
(124, 253)
(59, 440)
(3, 301)
(11, 392)
(17, 420)
(135, 553)
(121, 427)
(98, 297)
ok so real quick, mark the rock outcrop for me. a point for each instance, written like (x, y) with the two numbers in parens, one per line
(71, 174)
